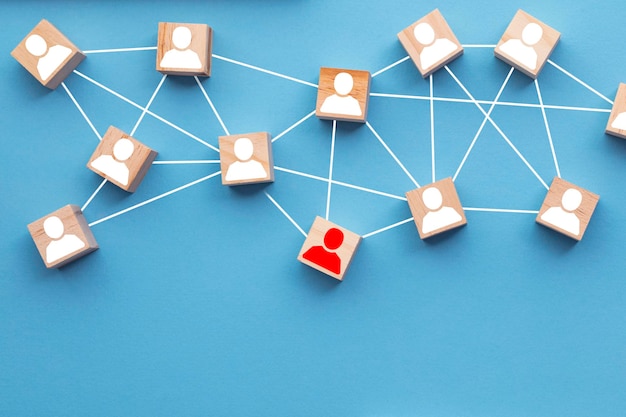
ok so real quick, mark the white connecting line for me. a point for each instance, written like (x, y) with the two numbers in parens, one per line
(549, 133)
(188, 162)
(206, 96)
(274, 73)
(293, 126)
(432, 127)
(284, 212)
(80, 109)
(330, 167)
(108, 51)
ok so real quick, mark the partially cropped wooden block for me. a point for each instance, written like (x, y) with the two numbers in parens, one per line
(430, 43)
(184, 49)
(246, 158)
(121, 159)
(63, 236)
(617, 121)
(436, 208)
(329, 248)
(567, 208)
(527, 44)
(47, 54)
(343, 95)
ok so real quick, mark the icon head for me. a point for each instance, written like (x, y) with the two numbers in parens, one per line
(532, 34)
(181, 37)
(432, 198)
(36, 45)
(333, 238)
(571, 200)
(244, 149)
(343, 83)
(424, 33)
(123, 149)
(53, 226)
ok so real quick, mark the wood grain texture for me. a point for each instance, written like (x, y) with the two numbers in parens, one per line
(360, 92)
(74, 224)
(201, 44)
(262, 154)
(616, 125)
(543, 48)
(138, 163)
(442, 31)
(53, 38)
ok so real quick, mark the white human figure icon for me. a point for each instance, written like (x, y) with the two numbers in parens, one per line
(245, 168)
(439, 215)
(50, 59)
(181, 56)
(564, 217)
(115, 166)
(523, 50)
(342, 102)
(434, 49)
(62, 244)
(619, 122)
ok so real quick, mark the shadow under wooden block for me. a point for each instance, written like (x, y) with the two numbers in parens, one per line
(184, 49)
(436, 208)
(430, 43)
(329, 248)
(567, 208)
(246, 158)
(47, 54)
(616, 125)
(121, 159)
(343, 95)
(527, 44)
(62, 236)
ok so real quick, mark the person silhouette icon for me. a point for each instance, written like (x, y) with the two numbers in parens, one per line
(245, 168)
(50, 59)
(181, 56)
(434, 49)
(619, 122)
(439, 216)
(114, 166)
(564, 217)
(523, 50)
(325, 257)
(342, 102)
(62, 244)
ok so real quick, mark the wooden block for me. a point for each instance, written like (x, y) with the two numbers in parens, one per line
(121, 159)
(616, 125)
(184, 49)
(567, 208)
(63, 236)
(343, 94)
(430, 43)
(246, 158)
(436, 208)
(527, 44)
(329, 248)
(47, 54)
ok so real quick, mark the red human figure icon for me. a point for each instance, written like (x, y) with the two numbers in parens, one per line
(325, 258)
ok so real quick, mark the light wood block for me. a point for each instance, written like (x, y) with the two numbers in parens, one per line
(430, 43)
(436, 208)
(47, 54)
(121, 159)
(329, 248)
(616, 125)
(246, 158)
(567, 208)
(343, 95)
(184, 49)
(62, 236)
(527, 44)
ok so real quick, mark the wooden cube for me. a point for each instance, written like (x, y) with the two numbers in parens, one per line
(430, 43)
(246, 158)
(184, 49)
(329, 248)
(527, 44)
(567, 208)
(343, 94)
(436, 208)
(616, 125)
(63, 236)
(47, 54)
(121, 159)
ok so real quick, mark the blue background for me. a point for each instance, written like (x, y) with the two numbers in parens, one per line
(195, 304)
